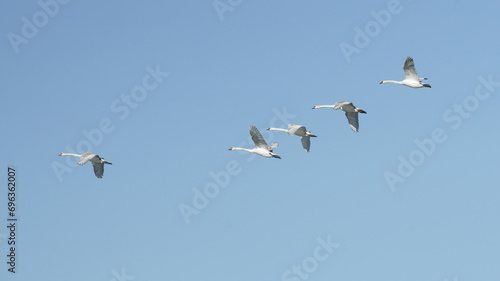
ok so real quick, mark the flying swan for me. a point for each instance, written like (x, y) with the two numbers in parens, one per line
(261, 147)
(411, 76)
(96, 160)
(300, 131)
(351, 112)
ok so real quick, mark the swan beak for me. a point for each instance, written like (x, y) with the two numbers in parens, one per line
(268, 129)
(276, 156)
(314, 136)
(60, 154)
(314, 107)
(381, 82)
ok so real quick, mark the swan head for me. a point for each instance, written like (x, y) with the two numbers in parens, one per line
(103, 160)
(274, 155)
(309, 134)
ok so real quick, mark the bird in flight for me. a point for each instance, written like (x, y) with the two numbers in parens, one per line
(411, 76)
(261, 147)
(96, 160)
(351, 112)
(299, 130)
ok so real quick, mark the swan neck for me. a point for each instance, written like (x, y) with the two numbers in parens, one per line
(278, 129)
(324, 106)
(240, 148)
(69, 154)
(391, 81)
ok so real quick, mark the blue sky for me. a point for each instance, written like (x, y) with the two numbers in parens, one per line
(162, 89)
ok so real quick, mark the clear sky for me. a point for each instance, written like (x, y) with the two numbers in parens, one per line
(162, 89)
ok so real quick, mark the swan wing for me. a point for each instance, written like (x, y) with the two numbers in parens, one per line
(273, 146)
(352, 117)
(98, 169)
(296, 129)
(86, 157)
(410, 71)
(257, 138)
(341, 104)
(306, 143)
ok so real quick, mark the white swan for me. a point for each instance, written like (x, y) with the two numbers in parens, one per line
(351, 112)
(300, 131)
(261, 147)
(411, 76)
(96, 160)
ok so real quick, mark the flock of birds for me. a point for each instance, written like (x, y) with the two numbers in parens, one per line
(261, 148)
(351, 112)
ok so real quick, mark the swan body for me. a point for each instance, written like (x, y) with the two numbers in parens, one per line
(299, 130)
(411, 77)
(261, 147)
(97, 161)
(351, 112)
